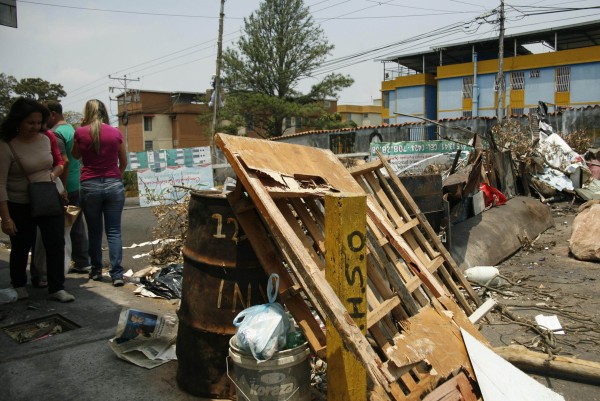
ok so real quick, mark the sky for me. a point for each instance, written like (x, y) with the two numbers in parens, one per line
(172, 45)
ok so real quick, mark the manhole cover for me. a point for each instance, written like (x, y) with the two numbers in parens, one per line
(37, 329)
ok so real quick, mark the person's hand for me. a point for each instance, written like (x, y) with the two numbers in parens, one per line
(8, 227)
(52, 176)
(65, 197)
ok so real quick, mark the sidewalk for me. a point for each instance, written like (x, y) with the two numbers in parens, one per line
(79, 364)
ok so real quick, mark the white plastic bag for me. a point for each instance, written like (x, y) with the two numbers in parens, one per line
(262, 329)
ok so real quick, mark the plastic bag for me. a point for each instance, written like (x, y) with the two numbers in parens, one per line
(167, 283)
(262, 329)
(492, 196)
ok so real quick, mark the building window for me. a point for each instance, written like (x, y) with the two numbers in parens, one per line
(562, 79)
(467, 88)
(327, 104)
(467, 113)
(342, 143)
(534, 74)
(288, 122)
(147, 123)
(517, 80)
(517, 111)
(298, 122)
(148, 146)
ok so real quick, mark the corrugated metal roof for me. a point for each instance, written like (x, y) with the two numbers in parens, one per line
(567, 37)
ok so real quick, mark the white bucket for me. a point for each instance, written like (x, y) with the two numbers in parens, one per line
(286, 376)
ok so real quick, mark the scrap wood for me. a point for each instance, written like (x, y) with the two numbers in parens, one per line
(458, 388)
(295, 222)
(298, 256)
(562, 367)
(449, 271)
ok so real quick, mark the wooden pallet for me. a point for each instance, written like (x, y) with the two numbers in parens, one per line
(432, 262)
(282, 188)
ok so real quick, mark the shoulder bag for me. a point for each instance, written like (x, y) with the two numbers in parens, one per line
(44, 199)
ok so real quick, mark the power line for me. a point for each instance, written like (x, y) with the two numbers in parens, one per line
(118, 11)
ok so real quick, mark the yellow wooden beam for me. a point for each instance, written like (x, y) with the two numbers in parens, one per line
(346, 272)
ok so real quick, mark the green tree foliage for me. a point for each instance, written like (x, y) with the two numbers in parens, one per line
(7, 90)
(35, 88)
(73, 118)
(280, 46)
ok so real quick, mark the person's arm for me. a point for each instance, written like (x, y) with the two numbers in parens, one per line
(8, 225)
(122, 158)
(62, 147)
(57, 160)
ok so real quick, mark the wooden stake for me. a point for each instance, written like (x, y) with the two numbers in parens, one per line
(346, 273)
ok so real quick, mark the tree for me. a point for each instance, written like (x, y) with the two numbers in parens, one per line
(35, 88)
(7, 90)
(281, 45)
(73, 118)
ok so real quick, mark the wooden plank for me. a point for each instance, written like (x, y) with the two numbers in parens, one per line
(457, 388)
(346, 272)
(311, 225)
(382, 310)
(483, 310)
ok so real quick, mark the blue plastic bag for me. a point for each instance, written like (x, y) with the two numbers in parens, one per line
(262, 329)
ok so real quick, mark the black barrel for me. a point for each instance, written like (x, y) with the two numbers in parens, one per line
(221, 277)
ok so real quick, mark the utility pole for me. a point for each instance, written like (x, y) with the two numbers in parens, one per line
(500, 79)
(217, 87)
(123, 81)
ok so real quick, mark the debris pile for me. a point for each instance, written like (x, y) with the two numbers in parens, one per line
(417, 299)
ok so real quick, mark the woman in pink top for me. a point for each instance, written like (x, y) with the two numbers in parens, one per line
(102, 152)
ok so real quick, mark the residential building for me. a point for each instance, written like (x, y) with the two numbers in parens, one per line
(460, 80)
(163, 120)
(361, 115)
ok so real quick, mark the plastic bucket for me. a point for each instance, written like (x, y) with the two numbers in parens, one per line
(286, 376)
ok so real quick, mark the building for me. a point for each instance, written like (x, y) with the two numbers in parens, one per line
(361, 115)
(459, 80)
(163, 120)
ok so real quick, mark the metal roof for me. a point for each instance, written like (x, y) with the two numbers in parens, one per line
(564, 37)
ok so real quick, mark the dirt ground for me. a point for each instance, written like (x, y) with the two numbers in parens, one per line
(543, 278)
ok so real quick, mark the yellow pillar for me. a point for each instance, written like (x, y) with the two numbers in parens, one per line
(346, 272)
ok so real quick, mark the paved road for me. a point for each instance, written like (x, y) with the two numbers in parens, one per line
(137, 224)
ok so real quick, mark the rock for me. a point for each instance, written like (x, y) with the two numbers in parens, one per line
(584, 244)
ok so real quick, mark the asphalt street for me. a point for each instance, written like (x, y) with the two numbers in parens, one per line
(79, 364)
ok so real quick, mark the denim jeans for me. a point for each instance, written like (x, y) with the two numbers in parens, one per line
(102, 201)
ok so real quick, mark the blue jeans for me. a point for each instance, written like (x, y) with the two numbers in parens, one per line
(102, 201)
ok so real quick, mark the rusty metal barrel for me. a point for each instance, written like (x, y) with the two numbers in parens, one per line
(221, 277)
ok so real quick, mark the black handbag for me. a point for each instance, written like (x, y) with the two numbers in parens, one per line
(44, 199)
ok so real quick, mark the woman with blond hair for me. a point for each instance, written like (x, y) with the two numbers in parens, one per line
(102, 152)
